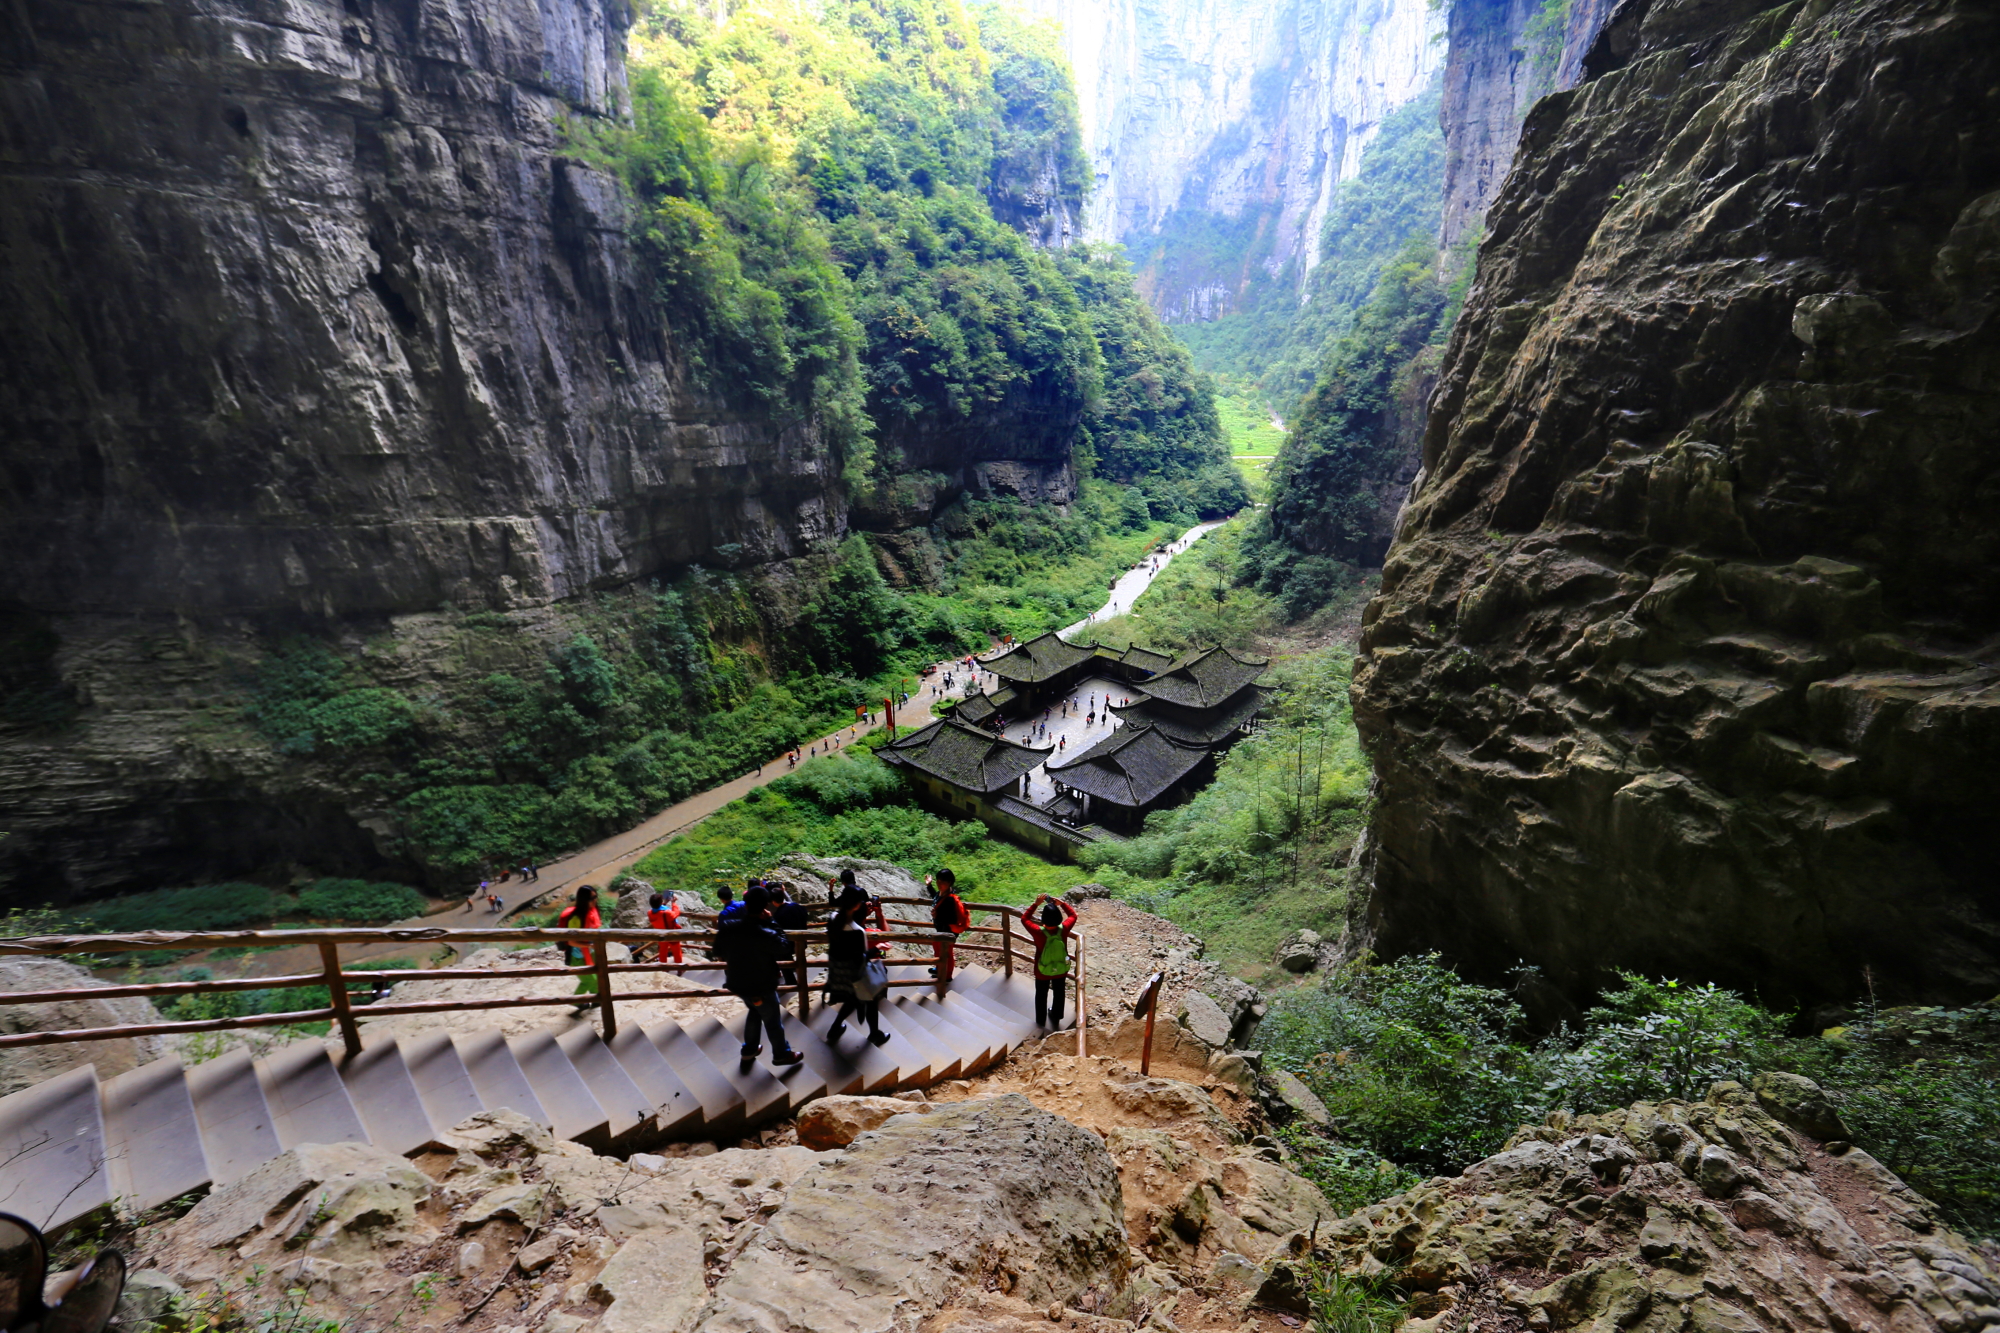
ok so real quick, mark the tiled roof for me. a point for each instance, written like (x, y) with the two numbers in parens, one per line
(963, 756)
(1146, 659)
(1039, 659)
(974, 710)
(1132, 766)
(1204, 679)
(1195, 726)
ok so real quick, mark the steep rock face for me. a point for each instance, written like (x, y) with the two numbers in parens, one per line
(1664, 1217)
(308, 309)
(1686, 653)
(1246, 111)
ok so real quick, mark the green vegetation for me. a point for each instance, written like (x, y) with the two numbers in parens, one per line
(1276, 339)
(359, 902)
(1431, 1072)
(848, 805)
(206, 907)
(1155, 425)
(1542, 39)
(1347, 441)
(1197, 601)
(1246, 423)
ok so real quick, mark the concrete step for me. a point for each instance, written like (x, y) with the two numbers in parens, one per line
(497, 1076)
(943, 1058)
(1000, 1038)
(627, 1110)
(573, 1112)
(974, 1040)
(384, 1094)
(764, 1095)
(309, 1103)
(839, 1070)
(152, 1142)
(443, 1083)
(721, 1104)
(52, 1142)
(880, 1071)
(675, 1108)
(237, 1130)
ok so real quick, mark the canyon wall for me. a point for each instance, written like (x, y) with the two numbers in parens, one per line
(317, 323)
(1237, 115)
(1687, 655)
(309, 309)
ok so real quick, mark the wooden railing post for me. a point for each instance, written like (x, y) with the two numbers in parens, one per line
(601, 962)
(343, 1007)
(1007, 939)
(1082, 1010)
(800, 948)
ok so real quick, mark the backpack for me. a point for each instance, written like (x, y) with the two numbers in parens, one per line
(948, 913)
(1052, 959)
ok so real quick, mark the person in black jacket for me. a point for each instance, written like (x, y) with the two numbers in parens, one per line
(847, 960)
(788, 914)
(751, 953)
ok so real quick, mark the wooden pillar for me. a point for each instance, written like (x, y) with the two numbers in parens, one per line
(1082, 1013)
(1007, 939)
(601, 961)
(336, 991)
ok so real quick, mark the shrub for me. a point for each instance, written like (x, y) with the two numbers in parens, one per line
(205, 907)
(357, 901)
(1413, 1063)
(837, 782)
(1652, 1040)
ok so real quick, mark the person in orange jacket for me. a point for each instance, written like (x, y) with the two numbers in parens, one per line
(949, 918)
(665, 914)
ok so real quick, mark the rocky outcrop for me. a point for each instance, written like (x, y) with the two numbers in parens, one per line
(1685, 656)
(912, 1213)
(24, 1066)
(1241, 115)
(1664, 1217)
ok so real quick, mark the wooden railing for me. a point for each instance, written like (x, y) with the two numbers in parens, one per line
(343, 1014)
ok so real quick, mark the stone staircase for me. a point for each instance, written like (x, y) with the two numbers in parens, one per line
(72, 1144)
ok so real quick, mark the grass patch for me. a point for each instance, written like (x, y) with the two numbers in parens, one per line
(1246, 423)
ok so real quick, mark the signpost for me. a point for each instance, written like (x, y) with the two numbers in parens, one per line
(1147, 1003)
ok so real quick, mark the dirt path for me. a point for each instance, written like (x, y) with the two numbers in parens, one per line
(1135, 581)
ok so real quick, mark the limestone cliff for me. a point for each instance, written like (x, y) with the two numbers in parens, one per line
(308, 309)
(1238, 115)
(1686, 657)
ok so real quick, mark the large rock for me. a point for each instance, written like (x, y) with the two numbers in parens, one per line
(1204, 1020)
(338, 1202)
(835, 1122)
(1684, 656)
(811, 875)
(1798, 1102)
(882, 1236)
(1706, 1217)
(24, 1066)
(1299, 952)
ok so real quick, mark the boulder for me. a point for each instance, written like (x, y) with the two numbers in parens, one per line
(884, 879)
(884, 1235)
(1300, 951)
(654, 1283)
(1204, 1020)
(1799, 1103)
(25, 1066)
(835, 1122)
(1172, 1043)
(1235, 1067)
(1298, 1097)
(149, 1304)
(635, 899)
(1085, 892)
(493, 1134)
(344, 1199)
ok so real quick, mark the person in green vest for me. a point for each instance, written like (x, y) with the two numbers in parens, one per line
(1057, 926)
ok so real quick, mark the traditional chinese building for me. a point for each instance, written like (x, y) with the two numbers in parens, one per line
(1208, 698)
(1132, 771)
(967, 773)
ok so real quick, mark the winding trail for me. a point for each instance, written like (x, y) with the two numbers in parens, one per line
(1135, 581)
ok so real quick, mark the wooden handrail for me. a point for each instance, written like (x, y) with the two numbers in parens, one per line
(345, 1015)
